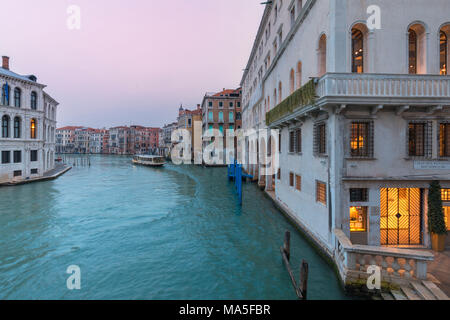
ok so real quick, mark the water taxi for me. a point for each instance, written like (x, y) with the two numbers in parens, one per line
(151, 161)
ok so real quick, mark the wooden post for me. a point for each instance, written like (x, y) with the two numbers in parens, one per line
(287, 245)
(303, 286)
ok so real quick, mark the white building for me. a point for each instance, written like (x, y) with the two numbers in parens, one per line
(28, 122)
(363, 139)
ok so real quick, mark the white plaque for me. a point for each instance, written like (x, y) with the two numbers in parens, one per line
(432, 165)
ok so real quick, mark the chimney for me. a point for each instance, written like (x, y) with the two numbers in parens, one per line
(5, 64)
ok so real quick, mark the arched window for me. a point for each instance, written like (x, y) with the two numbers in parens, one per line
(5, 126)
(322, 55)
(292, 81)
(275, 97)
(280, 92)
(357, 51)
(299, 75)
(17, 94)
(412, 52)
(33, 129)
(17, 132)
(5, 94)
(443, 53)
(417, 63)
(33, 100)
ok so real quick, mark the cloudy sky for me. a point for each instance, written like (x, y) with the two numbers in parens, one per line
(132, 61)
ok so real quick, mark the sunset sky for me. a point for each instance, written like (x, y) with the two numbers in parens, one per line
(132, 62)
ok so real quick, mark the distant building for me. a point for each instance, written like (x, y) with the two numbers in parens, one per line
(65, 139)
(167, 136)
(186, 120)
(28, 122)
(222, 111)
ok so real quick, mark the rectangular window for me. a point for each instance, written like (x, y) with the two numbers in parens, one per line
(6, 157)
(33, 155)
(444, 140)
(279, 141)
(419, 139)
(231, 104)
(291, 179)
(221, 129)
(361, 139)
(298, 182)
(279, 174)
(210, 104)
(220, 104)
(17, 156)
(358, 195)
(321, 192)
(320, 142)
(220, 116)
(447, 217)
(358, 219)
(34, 171)
(231, 117)
(210, 116)
(17, 173)
(445, 194)
(292, 141)
(298, 140)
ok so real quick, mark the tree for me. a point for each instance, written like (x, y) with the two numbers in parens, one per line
(436, 222)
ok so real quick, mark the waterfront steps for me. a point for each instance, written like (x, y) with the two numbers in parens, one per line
(415, 290)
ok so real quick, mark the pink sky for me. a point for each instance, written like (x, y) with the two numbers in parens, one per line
(132, 62)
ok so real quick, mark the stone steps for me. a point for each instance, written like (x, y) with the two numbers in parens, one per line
(415, 290)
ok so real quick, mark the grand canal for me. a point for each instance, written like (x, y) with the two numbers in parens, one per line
(145, 233)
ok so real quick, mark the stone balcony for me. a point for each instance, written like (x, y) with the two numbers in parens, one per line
(384, 89)
(377, 90)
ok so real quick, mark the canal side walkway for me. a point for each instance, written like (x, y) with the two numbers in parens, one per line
(439, 268)
(59, 170)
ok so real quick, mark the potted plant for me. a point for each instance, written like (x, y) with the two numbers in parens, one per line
(436, 222)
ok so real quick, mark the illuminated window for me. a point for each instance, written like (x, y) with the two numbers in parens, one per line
(412, 52)
(444, 140)
(357, 51)
(447, 217)
(443, 53)
(358, 219)
(361, 139)
(33, 129)
(321, 192)
(445, 194)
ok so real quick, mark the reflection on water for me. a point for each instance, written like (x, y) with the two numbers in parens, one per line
(144, 233)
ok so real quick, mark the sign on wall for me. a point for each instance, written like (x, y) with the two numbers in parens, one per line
(432, 165)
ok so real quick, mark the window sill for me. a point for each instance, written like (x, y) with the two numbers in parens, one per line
(321, 155)
(361, 158)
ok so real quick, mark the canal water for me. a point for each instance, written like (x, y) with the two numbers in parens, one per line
(145, 233)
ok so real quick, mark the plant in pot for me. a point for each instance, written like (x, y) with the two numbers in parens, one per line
(436, 222)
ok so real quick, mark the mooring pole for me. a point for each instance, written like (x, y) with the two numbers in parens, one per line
(304, 279)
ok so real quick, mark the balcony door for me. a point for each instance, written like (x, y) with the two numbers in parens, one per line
(401, 216)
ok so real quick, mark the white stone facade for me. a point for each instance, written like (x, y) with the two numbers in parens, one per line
(27, 137)
(312, 39)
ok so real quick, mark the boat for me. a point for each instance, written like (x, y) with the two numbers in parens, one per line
(150, 161)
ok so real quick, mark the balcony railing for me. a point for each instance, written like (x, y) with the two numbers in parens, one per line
(383, 85)
(304, 96)
(396, 265)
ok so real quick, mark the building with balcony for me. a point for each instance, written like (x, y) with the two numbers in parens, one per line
(221, 111)
(364, 122)
(28, 123)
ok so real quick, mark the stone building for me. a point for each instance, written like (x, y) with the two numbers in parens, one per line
(364, 117)
(28, 123)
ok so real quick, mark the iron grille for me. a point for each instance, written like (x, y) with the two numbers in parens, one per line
(401, 216)
(420, 139)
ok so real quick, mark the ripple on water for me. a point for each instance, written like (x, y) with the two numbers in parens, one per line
(140, 233)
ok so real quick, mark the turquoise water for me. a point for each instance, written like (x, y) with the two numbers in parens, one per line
(146, 233)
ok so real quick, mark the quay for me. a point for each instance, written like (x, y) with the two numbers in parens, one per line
(55, 173)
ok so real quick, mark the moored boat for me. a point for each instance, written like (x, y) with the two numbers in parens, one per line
(150, 161)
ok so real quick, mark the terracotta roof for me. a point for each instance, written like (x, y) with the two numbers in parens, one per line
(227, 91)
(69, 128)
